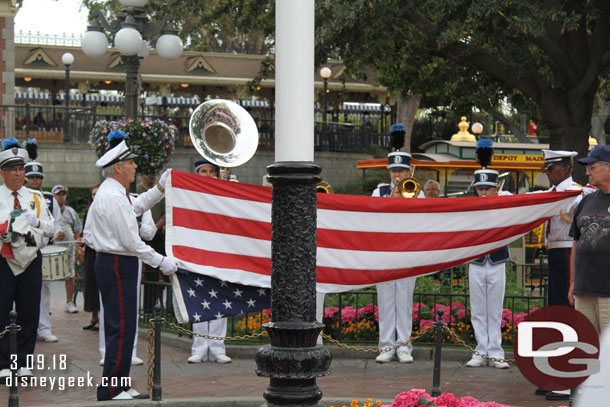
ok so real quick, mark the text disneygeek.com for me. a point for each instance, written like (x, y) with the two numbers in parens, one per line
(64, 382)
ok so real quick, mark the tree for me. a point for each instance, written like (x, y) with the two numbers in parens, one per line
(552, 52)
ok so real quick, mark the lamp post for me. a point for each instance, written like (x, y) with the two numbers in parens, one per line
(67, 59)
(477, 129)
(132, 31)
(325, 73)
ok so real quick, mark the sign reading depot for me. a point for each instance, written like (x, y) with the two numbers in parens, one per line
(517, 158)
(557, 348)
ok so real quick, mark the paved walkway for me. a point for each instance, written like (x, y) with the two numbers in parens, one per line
(237, 384)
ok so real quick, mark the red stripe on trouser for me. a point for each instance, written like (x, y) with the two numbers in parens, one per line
(122, 317)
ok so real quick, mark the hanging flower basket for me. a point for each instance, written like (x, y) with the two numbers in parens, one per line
(151, 140)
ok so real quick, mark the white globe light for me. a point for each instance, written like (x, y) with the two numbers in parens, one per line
(325, 72)
(144, 52)
(169, 46)
(67, 58)
(477, 128)
(133, 3)
(94, 43)
(128, 41)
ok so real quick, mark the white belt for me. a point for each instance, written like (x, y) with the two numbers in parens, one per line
(560, 244)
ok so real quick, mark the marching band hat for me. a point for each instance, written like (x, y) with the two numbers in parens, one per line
(59, 188)
(599, 153)
(552, 157)
(119, 153)
(486, 178)
(202, 162)
(33, 169)
(13, 154)
(399, 160)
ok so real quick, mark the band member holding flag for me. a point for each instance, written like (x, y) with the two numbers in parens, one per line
(112, 231)
(487, 276)
(209, 349)
(395, 298)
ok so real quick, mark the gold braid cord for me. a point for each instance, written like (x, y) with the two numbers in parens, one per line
(470, 348)
(370, 350)
(150, 367)
(3, 333)
(216, 338)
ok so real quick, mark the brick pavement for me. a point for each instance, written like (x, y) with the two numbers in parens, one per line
(216, 385)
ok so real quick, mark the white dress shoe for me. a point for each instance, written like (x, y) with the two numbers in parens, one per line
(404, 357)
(197, 358)
(136, 395)
(476, 362)
(49, 338)
(70, 308)
(384, 357)
(220, 358)
(501, 365)
(122, 396)
(136, 361)
(102, 362)
(23, 372)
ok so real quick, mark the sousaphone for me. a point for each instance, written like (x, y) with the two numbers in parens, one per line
(223, 133)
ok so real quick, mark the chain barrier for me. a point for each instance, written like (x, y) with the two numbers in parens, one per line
(3, 333)
(470, 348)
(372, 350)
(216, 338)
(150, 367)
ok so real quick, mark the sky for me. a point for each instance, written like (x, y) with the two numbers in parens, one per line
(52, 17)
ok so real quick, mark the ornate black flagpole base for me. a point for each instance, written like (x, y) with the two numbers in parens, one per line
(293, 361)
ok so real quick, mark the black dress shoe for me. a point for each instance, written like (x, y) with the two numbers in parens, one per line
(551, 395)
(540, 391)
(90, 326)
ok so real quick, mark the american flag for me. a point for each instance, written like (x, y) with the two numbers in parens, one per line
(223, 230)
(199, 298)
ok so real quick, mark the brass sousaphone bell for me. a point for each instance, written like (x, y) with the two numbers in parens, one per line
(324, 188)
(223, 133)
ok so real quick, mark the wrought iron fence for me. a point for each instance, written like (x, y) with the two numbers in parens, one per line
(46, 123)
(351, 316)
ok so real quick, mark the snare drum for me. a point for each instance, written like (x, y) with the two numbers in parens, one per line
(55, 263)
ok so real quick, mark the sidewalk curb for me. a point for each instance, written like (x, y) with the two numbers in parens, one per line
(204, 402)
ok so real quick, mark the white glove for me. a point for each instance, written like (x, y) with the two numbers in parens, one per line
(163, 178)
(168, 266)
(31, 218)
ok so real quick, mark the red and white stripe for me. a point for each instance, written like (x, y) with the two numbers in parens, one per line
(222, 229)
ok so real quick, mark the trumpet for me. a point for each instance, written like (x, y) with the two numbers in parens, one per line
(408, 187)
(324, 188)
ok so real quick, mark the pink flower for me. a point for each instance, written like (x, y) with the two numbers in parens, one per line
(520, 317)
(330, 312)
(348, 314)
(457, 304)
(460, 314)
(418, 305)
(447, 399)
(503, 322)
(368, 309)
(507, 314)
(425, 323)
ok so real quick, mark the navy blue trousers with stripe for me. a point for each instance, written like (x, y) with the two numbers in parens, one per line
(117, 279)
(559, 278)
(24, 291)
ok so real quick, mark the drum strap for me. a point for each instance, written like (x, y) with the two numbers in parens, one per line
(37, 205)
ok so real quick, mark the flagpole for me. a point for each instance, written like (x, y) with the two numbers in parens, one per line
(293, 361)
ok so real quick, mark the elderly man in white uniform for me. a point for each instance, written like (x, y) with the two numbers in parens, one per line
(112, 231)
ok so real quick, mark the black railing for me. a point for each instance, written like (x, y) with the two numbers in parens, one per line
(46, 124)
